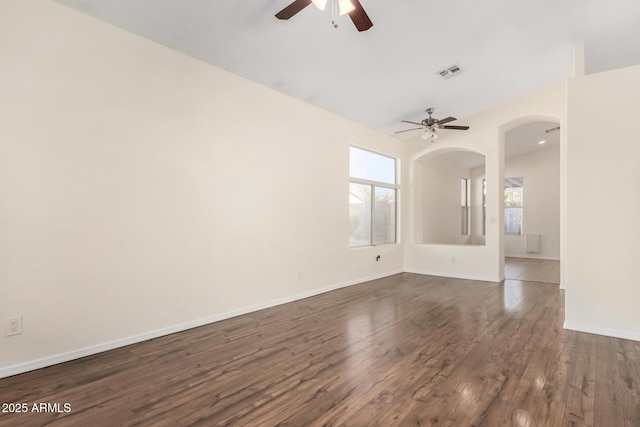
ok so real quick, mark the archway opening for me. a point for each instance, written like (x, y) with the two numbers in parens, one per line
(532, 202)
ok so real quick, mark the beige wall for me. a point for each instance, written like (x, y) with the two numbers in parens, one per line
(144, 192)
(603, 207)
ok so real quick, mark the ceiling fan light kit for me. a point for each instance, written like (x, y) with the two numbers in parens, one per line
(338, 7)
(345, 6)
(320, 4)
(430, 135)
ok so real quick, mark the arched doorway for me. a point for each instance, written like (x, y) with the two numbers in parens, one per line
(531, 208)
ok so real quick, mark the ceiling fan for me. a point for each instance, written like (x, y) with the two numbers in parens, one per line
(352, 7)
(430, 125)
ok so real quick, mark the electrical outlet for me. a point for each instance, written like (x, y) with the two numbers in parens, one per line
(13, 326)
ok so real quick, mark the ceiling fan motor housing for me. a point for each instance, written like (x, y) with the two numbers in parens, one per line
(432, 124)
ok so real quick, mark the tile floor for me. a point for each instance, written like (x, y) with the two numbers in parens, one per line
(532, 270)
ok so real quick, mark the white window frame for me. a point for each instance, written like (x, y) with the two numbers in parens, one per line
(373, 184)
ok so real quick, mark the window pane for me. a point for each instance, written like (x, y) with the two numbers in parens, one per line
(484, 207)
(464, 207)
(514, 182)
(463, 192)
(360, 214)
(513, 197)
(384, 216)
(513, 203)
(371, 166)
(513, 221)
(464, 218)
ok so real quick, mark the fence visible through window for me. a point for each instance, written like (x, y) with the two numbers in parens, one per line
(513, 206)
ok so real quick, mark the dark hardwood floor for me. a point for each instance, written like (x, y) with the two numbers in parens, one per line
(406, 350)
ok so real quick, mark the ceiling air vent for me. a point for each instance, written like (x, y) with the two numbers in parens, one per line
(449, 72)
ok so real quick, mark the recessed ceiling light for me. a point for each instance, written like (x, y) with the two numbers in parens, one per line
(542, 142)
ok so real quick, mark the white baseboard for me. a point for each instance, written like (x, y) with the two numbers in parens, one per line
(99, 348)
(455, 276)
(616, 333)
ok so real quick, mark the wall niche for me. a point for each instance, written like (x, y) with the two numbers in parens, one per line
(449, 203)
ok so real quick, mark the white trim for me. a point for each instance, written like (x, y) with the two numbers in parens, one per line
(616, 333)
(454, 275)
(374, 183)
(110, 345)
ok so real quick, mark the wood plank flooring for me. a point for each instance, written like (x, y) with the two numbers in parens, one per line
(532, 270)
(406, 350)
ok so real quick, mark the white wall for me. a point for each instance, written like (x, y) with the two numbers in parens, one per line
(144, 192)
(603, 207)
(541, 214)
(486, 136)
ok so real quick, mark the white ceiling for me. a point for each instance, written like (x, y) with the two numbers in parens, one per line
(388, 74)
(526, 138)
